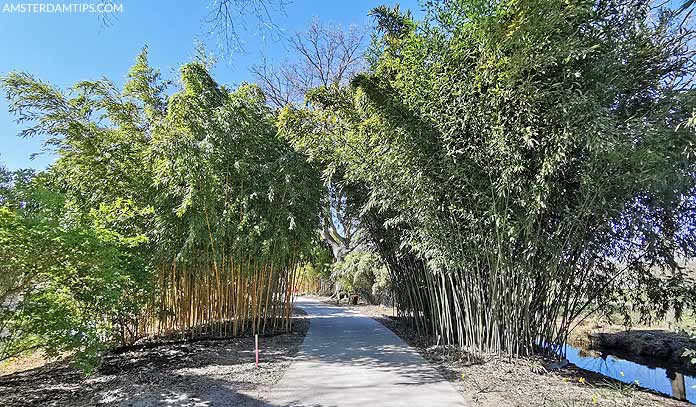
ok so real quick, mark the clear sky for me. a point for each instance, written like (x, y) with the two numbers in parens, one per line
(63, 48)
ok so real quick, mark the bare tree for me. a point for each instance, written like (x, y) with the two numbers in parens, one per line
(279, 83)
(226, 16)
(321, 56)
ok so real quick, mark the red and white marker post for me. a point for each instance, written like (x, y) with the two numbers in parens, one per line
(256, 339)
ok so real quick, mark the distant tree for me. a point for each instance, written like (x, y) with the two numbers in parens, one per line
(322, 56)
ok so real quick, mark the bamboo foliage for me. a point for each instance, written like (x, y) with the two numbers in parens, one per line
(247, 205)
(515, 173)
(202, 211)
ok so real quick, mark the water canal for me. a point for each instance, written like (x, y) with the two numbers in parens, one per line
(666, 381)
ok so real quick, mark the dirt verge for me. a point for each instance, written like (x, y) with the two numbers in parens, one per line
(204, 373)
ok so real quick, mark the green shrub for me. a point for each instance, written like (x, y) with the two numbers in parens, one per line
(363, 273)
(67, 282)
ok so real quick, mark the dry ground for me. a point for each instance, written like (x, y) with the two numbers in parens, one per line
(495, 381)
(205, 373)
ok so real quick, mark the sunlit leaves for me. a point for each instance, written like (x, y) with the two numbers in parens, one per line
(535, 153)
(142, 179)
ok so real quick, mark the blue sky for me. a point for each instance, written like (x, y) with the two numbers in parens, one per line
(65, 48)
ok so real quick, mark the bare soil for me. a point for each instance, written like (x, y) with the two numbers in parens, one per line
(204, 373)
(495, 381)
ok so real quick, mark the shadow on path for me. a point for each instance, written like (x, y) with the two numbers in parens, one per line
(348, 359)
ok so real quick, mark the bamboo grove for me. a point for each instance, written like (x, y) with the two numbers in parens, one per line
(516, 165)
(206, 210)
(521, 164)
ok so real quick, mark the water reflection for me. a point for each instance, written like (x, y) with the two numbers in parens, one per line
(665, 381)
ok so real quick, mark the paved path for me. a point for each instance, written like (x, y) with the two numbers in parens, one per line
(348, 359)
